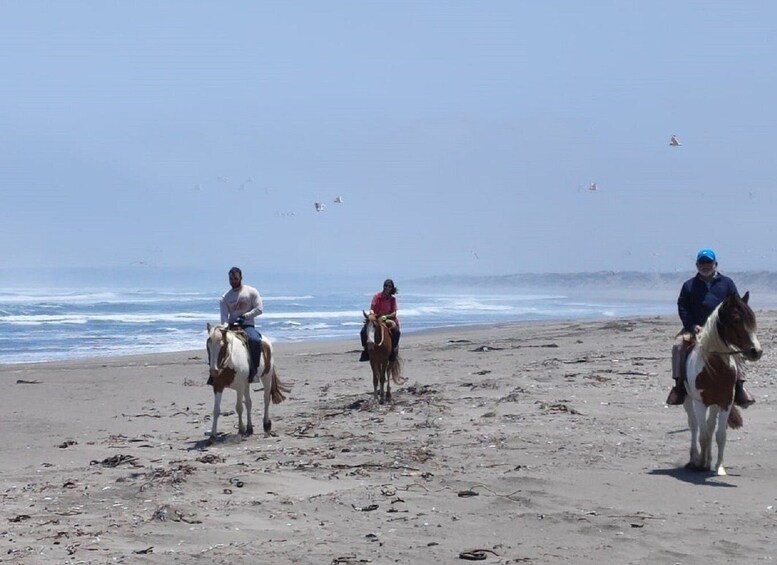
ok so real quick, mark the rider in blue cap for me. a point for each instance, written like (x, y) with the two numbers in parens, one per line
(699, 296)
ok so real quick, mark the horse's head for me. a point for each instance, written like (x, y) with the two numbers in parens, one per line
(371, 325)
(736, 325)
(216, 344)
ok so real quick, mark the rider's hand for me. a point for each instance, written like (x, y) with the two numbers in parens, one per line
(240, 320)
(383, 318)
(697, 329)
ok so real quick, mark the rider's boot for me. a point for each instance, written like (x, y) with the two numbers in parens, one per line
(742, 396)
(393, 354)
(677, 394)
(365, 356)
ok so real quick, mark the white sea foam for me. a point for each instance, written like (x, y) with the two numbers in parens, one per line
(49, 324)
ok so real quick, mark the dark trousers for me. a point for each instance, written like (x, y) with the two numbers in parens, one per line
(255, 346)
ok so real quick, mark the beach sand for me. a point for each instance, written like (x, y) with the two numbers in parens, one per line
(536, 443)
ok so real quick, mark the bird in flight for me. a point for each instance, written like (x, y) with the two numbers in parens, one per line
(674, 142)
(593, 187)
(339, 200)
(319, 206)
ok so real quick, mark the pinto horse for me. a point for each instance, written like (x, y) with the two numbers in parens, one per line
(727, 338)
(379, 348)
(229, 367)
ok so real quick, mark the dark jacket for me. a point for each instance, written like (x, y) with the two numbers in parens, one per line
(697, 300)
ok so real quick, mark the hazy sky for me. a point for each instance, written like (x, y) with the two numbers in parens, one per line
(461, 136)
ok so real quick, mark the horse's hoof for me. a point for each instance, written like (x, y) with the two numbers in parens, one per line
(697, 468)
(388, 396)
(267, 426)
(721, 472)
(691, 466)
(249, 431)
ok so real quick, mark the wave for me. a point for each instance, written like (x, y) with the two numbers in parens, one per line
(118, 318)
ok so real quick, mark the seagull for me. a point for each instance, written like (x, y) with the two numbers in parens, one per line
(592, 187)
(319, 206)
(674, 142)
(339, 200)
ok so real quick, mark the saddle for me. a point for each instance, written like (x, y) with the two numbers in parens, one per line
(689, 342)
(239, 333)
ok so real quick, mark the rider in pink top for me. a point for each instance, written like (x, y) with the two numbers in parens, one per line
(384, 305)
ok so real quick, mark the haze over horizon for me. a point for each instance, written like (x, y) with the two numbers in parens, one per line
(462, 138)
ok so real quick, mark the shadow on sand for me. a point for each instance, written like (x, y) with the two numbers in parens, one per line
(222, 440)
(692, 477)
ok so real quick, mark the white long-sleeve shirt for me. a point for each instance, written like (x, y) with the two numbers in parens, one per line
(244, 301)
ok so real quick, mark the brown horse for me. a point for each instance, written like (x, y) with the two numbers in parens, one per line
(379, 349)
(727, 338)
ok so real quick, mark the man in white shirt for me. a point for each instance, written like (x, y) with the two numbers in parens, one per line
(240, 305)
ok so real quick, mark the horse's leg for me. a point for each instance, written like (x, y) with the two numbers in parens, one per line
(375, 380)
(239, 409)
(216, 414)
(247, 400)
(694, 427)
(382, 374)
(388, 382)
(267, 384)
(720, 437)
(706, 437)
(703, 435)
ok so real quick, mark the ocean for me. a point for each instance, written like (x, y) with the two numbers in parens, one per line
(94, 319)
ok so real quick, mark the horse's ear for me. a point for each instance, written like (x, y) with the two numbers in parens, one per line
(208, 327)
(746, 297)
(365, 314)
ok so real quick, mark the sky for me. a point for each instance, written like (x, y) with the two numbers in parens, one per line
(462, 137)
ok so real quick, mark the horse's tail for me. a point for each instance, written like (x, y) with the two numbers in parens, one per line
(395, 368)
(278, 390)
(267, 355)
(735, 420)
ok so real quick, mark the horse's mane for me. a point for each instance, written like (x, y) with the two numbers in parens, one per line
(710, 341)
(228, 336)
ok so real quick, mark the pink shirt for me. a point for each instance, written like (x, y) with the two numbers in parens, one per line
(383, 305)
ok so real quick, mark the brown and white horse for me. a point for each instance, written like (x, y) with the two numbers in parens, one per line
(727, 338)
(379, 348)
(229, 368)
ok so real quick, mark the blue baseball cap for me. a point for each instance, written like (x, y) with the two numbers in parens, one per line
(706, 255)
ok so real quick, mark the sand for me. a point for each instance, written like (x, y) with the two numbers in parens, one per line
(535, 443)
